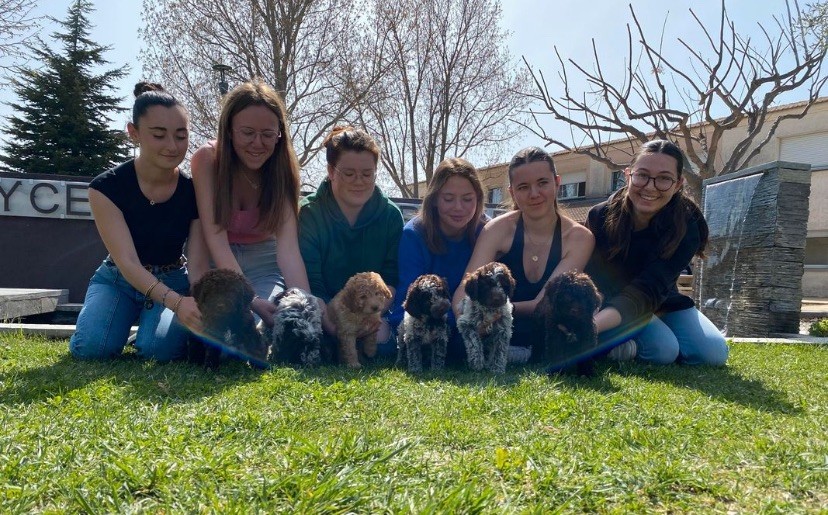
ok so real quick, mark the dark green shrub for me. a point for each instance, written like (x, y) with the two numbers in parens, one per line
(819, 328)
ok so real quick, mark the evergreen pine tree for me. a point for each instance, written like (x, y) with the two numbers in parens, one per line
(61, 123)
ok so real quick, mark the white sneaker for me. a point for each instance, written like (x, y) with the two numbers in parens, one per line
(518, 355)
(624, 352)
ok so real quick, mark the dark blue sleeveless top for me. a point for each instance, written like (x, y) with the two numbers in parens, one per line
(525, 290)
(523, 327)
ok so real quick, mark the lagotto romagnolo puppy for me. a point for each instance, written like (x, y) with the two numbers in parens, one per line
(565, 316)
(486, 320)
(424, 326)
(296, 335)
(356, 308)
(224, 298)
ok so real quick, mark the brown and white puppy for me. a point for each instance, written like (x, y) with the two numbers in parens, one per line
(224, 298)
(565, 319)
(424, 326)
(354, 310)
(486, 320)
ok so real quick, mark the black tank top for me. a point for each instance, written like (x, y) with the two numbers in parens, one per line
(525, 290)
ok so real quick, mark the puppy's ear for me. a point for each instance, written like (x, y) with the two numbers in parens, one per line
(507, 282)
(248, 292)
(198, 289)
(472, 285)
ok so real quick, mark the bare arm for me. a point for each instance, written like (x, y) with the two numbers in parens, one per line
(494, 239)
(118, 242)
(288, 256)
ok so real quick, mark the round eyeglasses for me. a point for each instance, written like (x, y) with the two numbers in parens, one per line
(351, 175)
(661, 182)
(247, 135)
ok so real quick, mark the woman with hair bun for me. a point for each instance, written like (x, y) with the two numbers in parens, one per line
(247, 187)
(145, 210)
(349, 226)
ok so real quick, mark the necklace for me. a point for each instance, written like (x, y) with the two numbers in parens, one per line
(536, 245)
(251, 183)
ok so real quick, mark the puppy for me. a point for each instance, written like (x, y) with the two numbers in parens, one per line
(565, 319)
(296, 335)
(224, 297)
(486, 321)
(354, 310)
(424, 323)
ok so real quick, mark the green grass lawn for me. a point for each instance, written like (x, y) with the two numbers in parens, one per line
(132, 436)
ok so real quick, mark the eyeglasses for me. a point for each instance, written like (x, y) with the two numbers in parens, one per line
(350, 175)
(246, 135)
(661, 182)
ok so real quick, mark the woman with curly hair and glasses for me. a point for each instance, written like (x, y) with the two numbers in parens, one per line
(247, 187)
(349, 226)
(645, 235)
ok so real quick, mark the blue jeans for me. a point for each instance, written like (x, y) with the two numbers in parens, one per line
(112, 306)
(687, 336)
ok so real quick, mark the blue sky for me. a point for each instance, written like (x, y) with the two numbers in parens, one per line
(536, 26)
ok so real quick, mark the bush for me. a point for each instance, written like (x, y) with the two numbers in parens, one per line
(819, 328)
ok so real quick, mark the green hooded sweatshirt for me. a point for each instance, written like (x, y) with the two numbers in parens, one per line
(333, 251)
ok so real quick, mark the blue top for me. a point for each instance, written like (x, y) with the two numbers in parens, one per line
(415, 259)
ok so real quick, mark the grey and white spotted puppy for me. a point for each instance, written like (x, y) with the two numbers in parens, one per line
(296, 335)
(424, 327)
(486, 321)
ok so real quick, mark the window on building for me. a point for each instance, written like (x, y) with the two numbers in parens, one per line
(618, 180)
(495, 196)
(572, 190)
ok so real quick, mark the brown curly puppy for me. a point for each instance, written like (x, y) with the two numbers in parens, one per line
(565, 317)
(224, 297)
(356, 308)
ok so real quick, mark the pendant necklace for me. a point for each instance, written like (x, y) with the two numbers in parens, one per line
(534, 257)
(251, 183)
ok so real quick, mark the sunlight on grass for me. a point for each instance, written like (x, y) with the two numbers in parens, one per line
(127, 435)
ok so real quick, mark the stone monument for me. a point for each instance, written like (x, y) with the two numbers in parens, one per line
(750, 285)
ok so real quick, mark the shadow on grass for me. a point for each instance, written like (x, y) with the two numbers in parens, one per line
(721, 383)
(457, 375)
(169, 382)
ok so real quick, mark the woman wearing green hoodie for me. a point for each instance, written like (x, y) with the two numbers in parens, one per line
(348, 226)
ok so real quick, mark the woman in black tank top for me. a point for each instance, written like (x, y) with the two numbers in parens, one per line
(534, 240)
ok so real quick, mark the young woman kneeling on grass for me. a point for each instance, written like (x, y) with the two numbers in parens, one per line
(144, 210)
(535, 240)
(645, 235)
(247, 186)
(440, 239)
(349, 226)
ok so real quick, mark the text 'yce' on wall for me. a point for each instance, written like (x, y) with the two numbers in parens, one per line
(44, 199)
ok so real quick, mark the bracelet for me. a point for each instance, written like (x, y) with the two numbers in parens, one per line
(156, 283)
(175, 306)
(164, 297)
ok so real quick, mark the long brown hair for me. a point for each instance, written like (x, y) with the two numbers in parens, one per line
(280, 173)
(671, 222)
(448, 168)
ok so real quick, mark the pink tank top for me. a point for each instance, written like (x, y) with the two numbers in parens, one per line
(243, 227)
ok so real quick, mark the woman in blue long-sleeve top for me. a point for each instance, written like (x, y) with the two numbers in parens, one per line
(440, 239)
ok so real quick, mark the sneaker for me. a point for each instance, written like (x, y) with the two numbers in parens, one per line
(518, 355)
(624, 352)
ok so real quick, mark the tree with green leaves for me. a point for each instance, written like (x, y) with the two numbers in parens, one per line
(61, 122)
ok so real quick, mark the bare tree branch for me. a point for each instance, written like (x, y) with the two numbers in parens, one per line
(734, 83)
